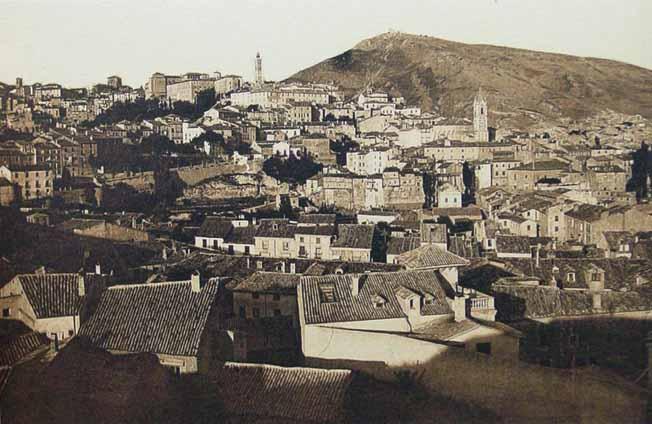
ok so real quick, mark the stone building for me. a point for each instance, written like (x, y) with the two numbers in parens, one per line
(33, 181)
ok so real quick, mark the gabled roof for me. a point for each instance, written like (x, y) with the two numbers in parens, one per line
(215, 227)
(586, 212)
(317, 219)
(54, 295)
(330, 298)
(354, 236)
(430, 256)
(398, 245)
(241, 235)
(277, 394)
(276, 228)
(270, 282)
(167, 318)
(20, 347)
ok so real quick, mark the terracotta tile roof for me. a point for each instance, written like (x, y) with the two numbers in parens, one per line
(541, 302)
(166, 318)
(321, 230)
(354, 236)
(276, 228)
(317, 218)
(215, 227)
(241, 235)
(302, 395)
(398, 245)
(512, 244)
(330, 298)
(430, 256)
(5, 373)
(54, 295)
(585, 212)
(270, 282)
(20, 347)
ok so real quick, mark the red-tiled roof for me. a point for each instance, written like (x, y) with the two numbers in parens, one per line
(430, 256)
(339, 305)
(305, 395)
(20, 347)
(54, 295)
(166, 318)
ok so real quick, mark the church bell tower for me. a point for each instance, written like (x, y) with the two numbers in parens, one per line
(480, 121)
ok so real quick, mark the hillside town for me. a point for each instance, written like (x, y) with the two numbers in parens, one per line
(298, 250)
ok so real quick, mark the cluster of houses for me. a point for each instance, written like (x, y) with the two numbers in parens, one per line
(424, 235)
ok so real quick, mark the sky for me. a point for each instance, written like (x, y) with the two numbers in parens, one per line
(81, 42)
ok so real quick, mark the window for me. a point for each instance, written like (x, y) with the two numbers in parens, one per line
(277, 312)
(205, 243)
(570, 277)
(327, 292)
(318, 240)
(556, 229)
(243, 312)
(256, 313)
(595, 276)
(276, 297)
(301, 239)
(411, 303)
(6, 312)
(71, 333)
(286, 245)
(556, 218)
(255, 296)
(265, 244)
(483, 348)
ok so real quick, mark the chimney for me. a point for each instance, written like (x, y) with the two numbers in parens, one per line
(293, 268)
(597, 301)
(194, 282)
(355, 285)
(98, 269)
(81, 286)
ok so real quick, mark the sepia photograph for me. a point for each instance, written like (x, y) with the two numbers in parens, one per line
(325, 212)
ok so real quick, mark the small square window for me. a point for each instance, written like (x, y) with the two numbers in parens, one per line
(6, 313)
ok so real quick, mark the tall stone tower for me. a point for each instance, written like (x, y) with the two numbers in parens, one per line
(480, 121)
(259, 70)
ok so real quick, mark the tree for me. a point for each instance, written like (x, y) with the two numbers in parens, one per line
(468, 176)
(341, 147)
(641, 171)
(295, 170)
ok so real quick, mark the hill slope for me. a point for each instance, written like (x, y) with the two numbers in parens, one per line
(523, 87)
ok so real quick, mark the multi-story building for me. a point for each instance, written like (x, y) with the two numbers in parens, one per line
(525, 177)
(368, 162)
(33, 181)
(187, 90)
(227, 84)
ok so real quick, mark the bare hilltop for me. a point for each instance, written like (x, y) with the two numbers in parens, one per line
(523, 87)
